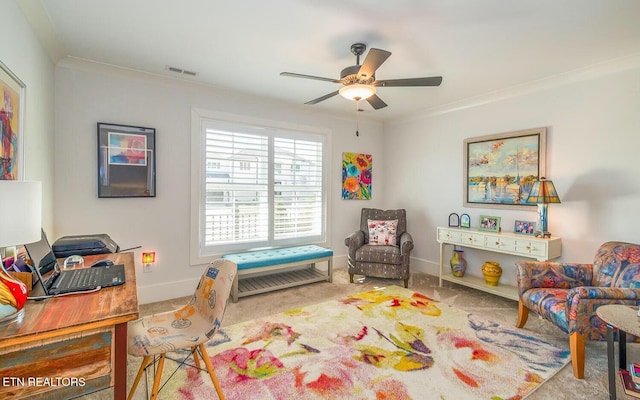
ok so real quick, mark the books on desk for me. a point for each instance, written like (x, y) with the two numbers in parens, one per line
(634, 371)
(630, 387)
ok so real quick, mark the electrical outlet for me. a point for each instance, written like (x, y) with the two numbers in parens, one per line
(146, 268)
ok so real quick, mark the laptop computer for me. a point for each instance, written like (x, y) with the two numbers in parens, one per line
(67, 281)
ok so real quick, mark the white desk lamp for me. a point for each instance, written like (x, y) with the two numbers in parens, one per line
(20, 223)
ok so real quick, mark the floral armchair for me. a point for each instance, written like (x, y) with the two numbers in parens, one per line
(568, 294)
(382, 245)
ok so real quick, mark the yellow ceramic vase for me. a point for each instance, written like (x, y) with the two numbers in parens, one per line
(492, 272)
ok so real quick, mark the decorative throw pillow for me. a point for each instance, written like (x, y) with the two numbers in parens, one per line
(382, 233)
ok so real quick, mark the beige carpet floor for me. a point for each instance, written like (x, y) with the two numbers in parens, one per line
(562, 386)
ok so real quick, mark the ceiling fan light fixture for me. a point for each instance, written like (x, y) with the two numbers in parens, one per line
(357, 91)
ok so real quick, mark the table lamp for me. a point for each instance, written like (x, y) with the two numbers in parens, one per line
(543, 192)
(21, 222)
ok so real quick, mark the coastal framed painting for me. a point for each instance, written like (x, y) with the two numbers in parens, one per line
(11, 125)
(500, 169)
(126, 161)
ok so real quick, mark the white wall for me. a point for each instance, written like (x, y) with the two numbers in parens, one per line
(593, 137)
(87, 93)
(21, 52)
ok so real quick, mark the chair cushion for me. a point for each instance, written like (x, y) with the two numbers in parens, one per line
(549, 303)
(382, 233)
(617, 264)
(379, 254)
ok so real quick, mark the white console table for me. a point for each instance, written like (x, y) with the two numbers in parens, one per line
(541, 249)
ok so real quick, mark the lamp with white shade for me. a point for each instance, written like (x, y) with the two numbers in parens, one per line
(21, 222)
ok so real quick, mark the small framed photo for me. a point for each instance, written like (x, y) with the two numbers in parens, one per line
(489, 223)
(454, 220)
(525, 227)
(465, 221)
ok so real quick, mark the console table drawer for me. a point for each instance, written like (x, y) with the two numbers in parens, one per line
(500, 243)
(472, 239)
(450, 236)
(526, 247)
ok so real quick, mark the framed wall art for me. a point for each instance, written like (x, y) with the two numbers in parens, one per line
(489, 223)
(356, 176)
(524, 227)
(11, 125)
(126, 161)
(499, 170)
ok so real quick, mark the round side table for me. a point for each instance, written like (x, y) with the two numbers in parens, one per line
(625, 319)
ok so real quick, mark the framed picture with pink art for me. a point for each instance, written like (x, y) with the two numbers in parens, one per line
(126, 161)
(524, 227)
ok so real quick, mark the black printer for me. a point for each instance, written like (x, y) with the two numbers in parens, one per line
(83, 245)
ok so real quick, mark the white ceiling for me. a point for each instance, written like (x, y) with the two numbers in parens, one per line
(477, 46)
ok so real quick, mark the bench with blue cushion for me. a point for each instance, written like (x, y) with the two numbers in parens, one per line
(263, 271)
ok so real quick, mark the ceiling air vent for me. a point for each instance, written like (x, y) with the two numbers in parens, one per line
(180, 71)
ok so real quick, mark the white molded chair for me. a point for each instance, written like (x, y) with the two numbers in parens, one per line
(189, 327)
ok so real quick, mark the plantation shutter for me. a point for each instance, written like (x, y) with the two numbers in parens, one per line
(262, 187)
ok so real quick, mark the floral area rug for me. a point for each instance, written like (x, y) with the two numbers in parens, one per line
(391, 343)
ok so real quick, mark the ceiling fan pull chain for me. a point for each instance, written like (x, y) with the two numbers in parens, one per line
(357, 117)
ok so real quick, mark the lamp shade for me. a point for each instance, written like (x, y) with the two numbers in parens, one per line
(357, 91)
(543, 192)
(21, 205)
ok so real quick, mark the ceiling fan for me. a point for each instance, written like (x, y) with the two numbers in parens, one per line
(359, 81)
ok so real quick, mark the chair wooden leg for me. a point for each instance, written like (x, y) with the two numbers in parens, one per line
(406, 283)
(523, 314)
(145, 363)
(156, 381)
(576, 344)
(212, 374)
(350, 278)
(195, 357)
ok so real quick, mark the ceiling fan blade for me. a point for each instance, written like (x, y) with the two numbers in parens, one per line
(431, 81)
(318, 78)
(372, 62)
(319, 99)
(376, 102)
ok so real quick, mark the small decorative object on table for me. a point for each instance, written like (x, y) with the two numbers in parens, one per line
(454, 220)
(465, 221)
(489, 223)
(458, 263)
(492, 272)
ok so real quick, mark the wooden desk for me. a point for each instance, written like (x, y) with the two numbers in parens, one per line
(72, 345)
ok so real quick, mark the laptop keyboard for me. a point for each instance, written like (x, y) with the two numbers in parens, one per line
(86, 277)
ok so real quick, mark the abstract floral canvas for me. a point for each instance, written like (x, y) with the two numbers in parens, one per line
(356, 176)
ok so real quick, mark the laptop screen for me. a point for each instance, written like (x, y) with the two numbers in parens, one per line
(42, 256)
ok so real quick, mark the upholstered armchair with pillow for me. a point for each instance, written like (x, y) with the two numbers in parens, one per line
(568, 294)
(382, 245)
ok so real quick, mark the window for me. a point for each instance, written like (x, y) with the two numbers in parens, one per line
(266, 189)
